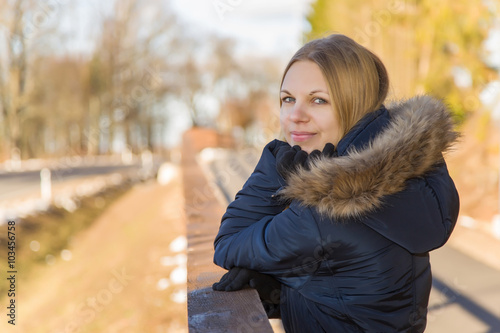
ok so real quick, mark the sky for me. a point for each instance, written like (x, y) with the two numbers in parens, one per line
(261, 27)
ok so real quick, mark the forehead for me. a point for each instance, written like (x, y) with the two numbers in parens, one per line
(304, 75)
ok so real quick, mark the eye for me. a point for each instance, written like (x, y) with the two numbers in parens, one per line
(318, 100)
(288, 99)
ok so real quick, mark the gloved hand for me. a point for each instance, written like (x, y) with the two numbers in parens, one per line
(269, 288)
(329, 150)
(236, 278)
(276, 145)
(289, 159)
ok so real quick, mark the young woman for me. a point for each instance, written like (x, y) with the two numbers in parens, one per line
(341, 217)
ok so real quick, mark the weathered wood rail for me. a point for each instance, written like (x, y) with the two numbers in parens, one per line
(208, 310)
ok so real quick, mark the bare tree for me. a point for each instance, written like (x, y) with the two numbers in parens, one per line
(25, 24)
(133, 51)
(14, 74)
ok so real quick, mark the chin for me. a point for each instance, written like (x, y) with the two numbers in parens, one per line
(304, 146)
(308, 147)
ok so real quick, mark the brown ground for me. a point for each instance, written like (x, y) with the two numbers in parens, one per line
(111, 282)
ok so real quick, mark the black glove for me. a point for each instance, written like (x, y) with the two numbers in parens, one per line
(275, 145)
(269, 288)
(236, 278)
(328, 151)
(288, 159)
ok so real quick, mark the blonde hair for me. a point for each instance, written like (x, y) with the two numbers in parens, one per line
(357, 79)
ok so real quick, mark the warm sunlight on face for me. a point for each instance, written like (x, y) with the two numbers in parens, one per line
(307, 116)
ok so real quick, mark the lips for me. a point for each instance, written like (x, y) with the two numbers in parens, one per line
(301, 136)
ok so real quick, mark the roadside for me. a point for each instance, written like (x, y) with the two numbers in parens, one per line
(31, 186)
(45, 235)
(125, 273)
(465, 294)
(477, 242)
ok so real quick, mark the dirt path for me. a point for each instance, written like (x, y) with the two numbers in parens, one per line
(126, 273)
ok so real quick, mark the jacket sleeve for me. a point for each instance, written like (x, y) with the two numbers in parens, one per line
(421, 217)
(287, 244)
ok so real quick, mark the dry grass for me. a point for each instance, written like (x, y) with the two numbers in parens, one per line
(54, 230)
(111, 283)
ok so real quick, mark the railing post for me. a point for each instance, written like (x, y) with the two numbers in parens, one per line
(45, 185)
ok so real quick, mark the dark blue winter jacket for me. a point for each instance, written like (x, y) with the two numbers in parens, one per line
(349, 238)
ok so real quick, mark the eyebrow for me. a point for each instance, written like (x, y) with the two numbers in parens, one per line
(311, 93)
(318, 90)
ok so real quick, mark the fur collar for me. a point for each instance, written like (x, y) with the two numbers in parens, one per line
(418, 132)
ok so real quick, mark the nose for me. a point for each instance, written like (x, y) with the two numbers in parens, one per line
(299, 113)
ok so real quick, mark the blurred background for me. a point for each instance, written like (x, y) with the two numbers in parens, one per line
(96, 96)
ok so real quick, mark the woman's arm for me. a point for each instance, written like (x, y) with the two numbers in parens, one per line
(287, 244)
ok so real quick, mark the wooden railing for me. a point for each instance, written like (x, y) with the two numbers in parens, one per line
(208, 310)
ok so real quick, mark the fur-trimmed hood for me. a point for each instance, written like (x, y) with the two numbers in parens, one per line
(419, 131)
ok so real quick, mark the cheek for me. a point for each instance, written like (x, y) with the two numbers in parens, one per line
(330, 130)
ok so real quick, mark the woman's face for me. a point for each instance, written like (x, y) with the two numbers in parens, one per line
(307, 116)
